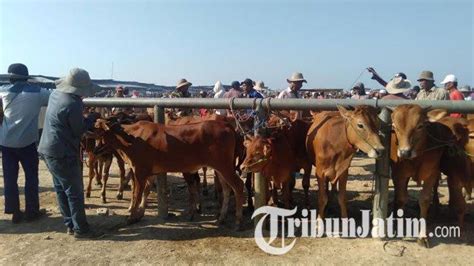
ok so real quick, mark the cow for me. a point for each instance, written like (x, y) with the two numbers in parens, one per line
(152, 149)
(332, 141)
(280, 156)
(419, 149)
(469, 147)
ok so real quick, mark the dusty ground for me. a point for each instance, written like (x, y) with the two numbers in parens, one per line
(179, 241)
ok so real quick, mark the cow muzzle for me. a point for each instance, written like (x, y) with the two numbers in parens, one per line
(376, 152)
(405, 153)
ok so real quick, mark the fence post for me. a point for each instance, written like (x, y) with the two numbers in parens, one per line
(260, 180)
(161, 179)
(382, 175)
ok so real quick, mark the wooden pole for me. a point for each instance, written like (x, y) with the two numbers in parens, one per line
(161, 179)
(260, 180)
(382, 175)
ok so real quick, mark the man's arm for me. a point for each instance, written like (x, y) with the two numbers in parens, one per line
(376, 77)
(76, 120)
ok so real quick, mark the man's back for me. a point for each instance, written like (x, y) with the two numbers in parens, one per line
(23, 103)
(63, 126)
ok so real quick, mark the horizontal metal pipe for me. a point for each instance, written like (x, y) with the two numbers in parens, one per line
(271, 103)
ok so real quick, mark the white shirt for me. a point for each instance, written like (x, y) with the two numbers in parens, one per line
(288, 93)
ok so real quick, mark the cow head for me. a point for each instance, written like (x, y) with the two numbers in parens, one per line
(409, 123)
(363, 126)
(110, 136)
(258, 152)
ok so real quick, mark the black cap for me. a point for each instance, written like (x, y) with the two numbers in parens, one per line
(400, 74)
(247, 81)
(18, 69)
(235, 84)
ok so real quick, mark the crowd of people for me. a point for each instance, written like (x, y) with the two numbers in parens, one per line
(64, 124)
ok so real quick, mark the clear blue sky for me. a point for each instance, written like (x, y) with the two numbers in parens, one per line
(330, 42)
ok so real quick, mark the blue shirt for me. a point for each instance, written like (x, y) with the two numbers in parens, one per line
(63, 126)
(254, 94)
(21, 103)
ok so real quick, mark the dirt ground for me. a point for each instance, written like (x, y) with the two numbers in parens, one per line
(179, 241)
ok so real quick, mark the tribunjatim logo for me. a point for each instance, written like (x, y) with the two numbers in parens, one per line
(282, 223)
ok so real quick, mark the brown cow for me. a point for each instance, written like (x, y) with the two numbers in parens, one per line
(332, 141)
(275, 159)
(287, 152)
(152, 149)
(470, 153)
(419, 149)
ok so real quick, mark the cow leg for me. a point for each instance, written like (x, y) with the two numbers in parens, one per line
(401, 192)
(424, 200)
(233, 181)
(193, 187)
(92, 163)
(456, 199)
(205, 192)
(306, 183)
(286, 189)
(225, 202)
(107, 163)
(122, 181)
(217, 188)
(435, 201)
(146, 192)
(248, 187)
(132, 199)
(322, 195)
(341, 195)
(139, 185)
(98, 169)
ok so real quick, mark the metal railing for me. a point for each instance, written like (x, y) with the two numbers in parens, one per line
(380, 203)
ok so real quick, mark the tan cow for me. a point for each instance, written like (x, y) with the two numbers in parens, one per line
(332, 141)
(152, 149)
(420, 149)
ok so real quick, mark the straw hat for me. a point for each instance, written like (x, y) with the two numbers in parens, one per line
(398, 85)
(182, 83)
(259, 85)
(426, 75)
(296, 77)
(77, 82)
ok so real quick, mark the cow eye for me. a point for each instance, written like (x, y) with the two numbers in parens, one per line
(360, 125)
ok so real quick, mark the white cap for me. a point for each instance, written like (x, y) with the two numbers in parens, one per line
(383, 91)
(449, 78)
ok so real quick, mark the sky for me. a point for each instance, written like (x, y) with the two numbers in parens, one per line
(330, 42)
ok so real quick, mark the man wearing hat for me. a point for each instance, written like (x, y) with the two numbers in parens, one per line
(260, 87)
(182, 92)
(450, 83)
(359, 92)
(295, 84)
(235, 91)
(249, 91)
(59, 147)
(466, 91)
(396, 89)
(428, 90)
(21, 104)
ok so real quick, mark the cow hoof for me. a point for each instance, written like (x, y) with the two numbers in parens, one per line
(120, 196)
(424, 242)
(98, 185)
(88, 195)
(104, 200)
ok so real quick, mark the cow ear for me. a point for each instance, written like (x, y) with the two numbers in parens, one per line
(247, 140)
(436, 114)
(343, 111)
(101, 124)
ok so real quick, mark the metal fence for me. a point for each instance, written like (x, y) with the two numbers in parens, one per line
(382, 172)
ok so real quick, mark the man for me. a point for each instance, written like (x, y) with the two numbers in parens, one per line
(359, 92)
(59, 147)
(249, 91)
(21, 104)
(182, 91)
(428, 90)
(380, 80)
(235, 91)
(396, 89)
(450, 83)
(466, 91)
(295, 84)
